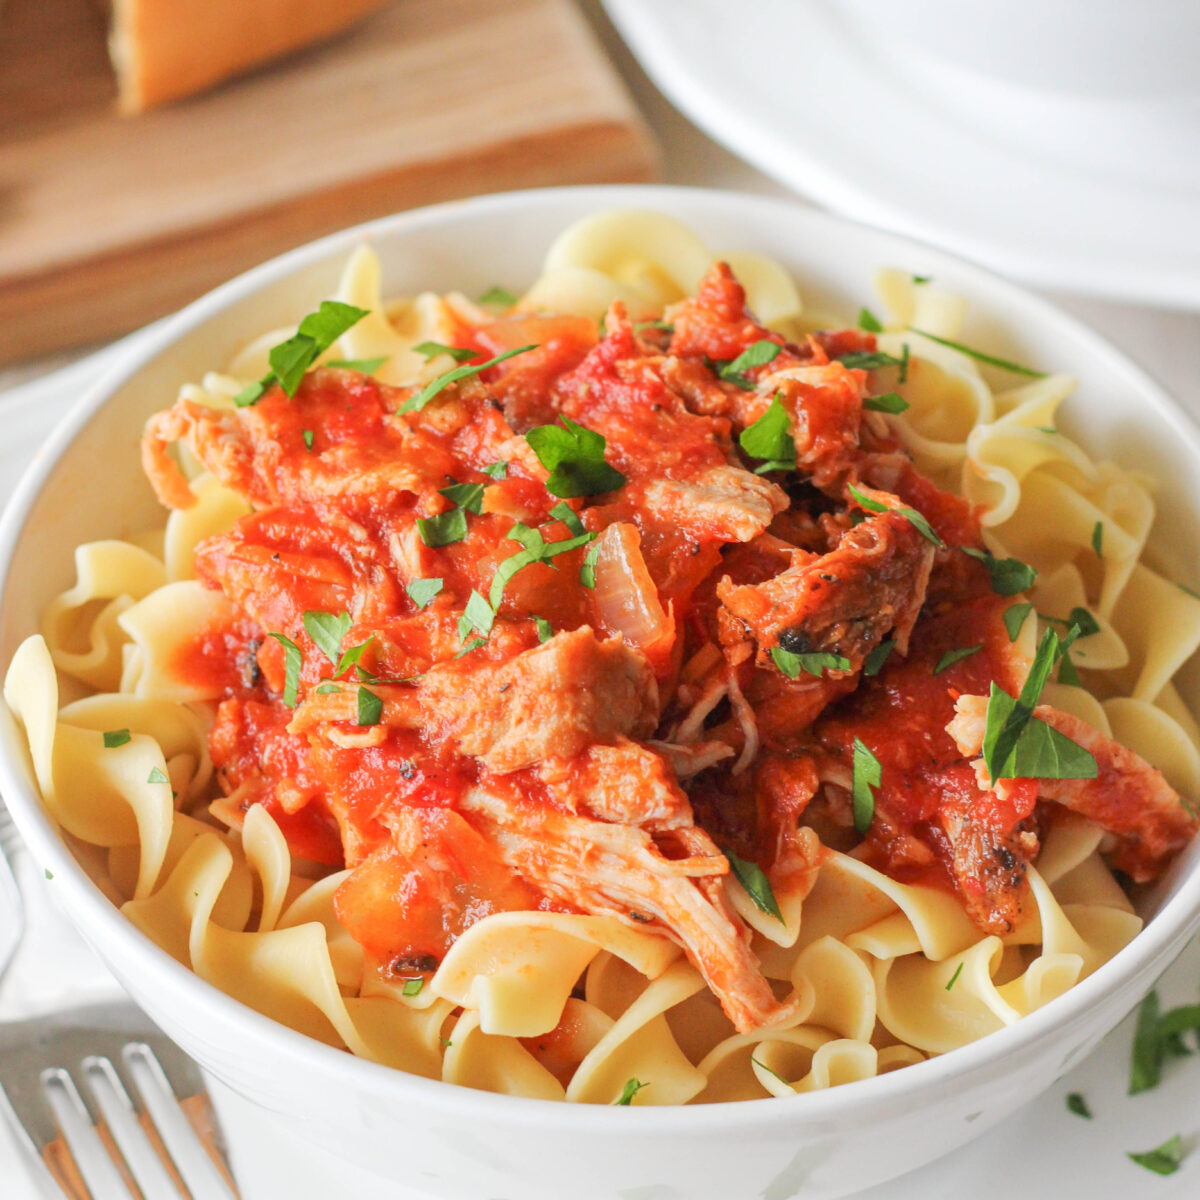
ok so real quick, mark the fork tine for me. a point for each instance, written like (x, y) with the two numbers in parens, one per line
(97, 1168)
(139, 1153)
(191, 1158)
(36, 1168)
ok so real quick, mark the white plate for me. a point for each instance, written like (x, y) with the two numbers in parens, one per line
(1096, 196)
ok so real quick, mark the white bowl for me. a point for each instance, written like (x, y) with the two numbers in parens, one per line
(86, 483)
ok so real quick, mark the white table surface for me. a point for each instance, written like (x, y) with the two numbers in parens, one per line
(1043, 1150)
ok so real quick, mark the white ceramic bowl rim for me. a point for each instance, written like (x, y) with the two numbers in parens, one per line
(1151, 950)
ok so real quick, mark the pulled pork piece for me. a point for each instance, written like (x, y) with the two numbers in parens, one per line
(618, 870)
(843, 602)
(724, 504)
(1128, 797)
(550, 702)
(988, 850)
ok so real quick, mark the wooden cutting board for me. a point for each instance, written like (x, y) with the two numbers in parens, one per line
(108, 222)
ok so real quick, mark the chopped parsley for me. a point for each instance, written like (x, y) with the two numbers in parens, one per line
(365, 366)
(292, 658)
(816, 663)
(116, 737)
(444, 529)
(874, 661)
(868, 774)
(536, 549)
(370, 707)
(307, 435)
(1015, 617)
(992, 361)
(756, 355)
(770, 438)
(921, 278)
(1098, 539)
(868, 360)
(664, 326)
(587, 572)
(1156, 1037)
(954, 977)
(433, 349)
(1016, 744)
(574, 456)
(1162, 1160)
(1078, 1105)
(544, 628)
(631, 1089)
(952, 656)
(497, 470)
(869, 321)
(467, 496)
(498, 297)
(327, 632)
(473, 644)
(1009, 575)
(889, 402)
(329, 688)
(755, 883)
(478, 615)
(291, 359)
(914, 518)
(455, 375)
(422, 591)
(157, 775)
(763, 1066)
(412, 987)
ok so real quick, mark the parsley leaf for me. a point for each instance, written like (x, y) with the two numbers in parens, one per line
(497, 470)
(412, 987)
(631, 1089)
(770, 437)
(1009, 575)
(1016, 744)
(868, 360)
(914, 518)
(352, 658)
(755, 883)
(307, 435)
(816, 663)
(868, 774)
(952, 656)
(292, 659)
(157, 775)
(465, 495)
(1098, 539)
(1003, 363)
(365, 366)
(422, 591)
(116, 737)
(444, 529)
(1078, 1105)
(563, 512)
(587, 572)
(473, 644)
(757, 355)
(544, 628)
(370, 707)
(536, 549)
(921, 278)
(869, 321)
(328, 688)
(874, 661)
(954, 978)
(889, 402)
(455, 375)
(433, 349)
(498, 297)
(664, 326)
(478, 615)
(327, 632)
(1146, 1057)
(1014, 619)
(1164, 1159)
(574, 456)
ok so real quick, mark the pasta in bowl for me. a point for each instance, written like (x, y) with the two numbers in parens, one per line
(596, 694)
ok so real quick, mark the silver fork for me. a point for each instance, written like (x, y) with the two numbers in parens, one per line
(66, 1082)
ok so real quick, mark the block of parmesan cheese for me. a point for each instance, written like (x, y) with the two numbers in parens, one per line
(163, 50)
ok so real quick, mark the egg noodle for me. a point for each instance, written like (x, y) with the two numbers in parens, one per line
(875, 974)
